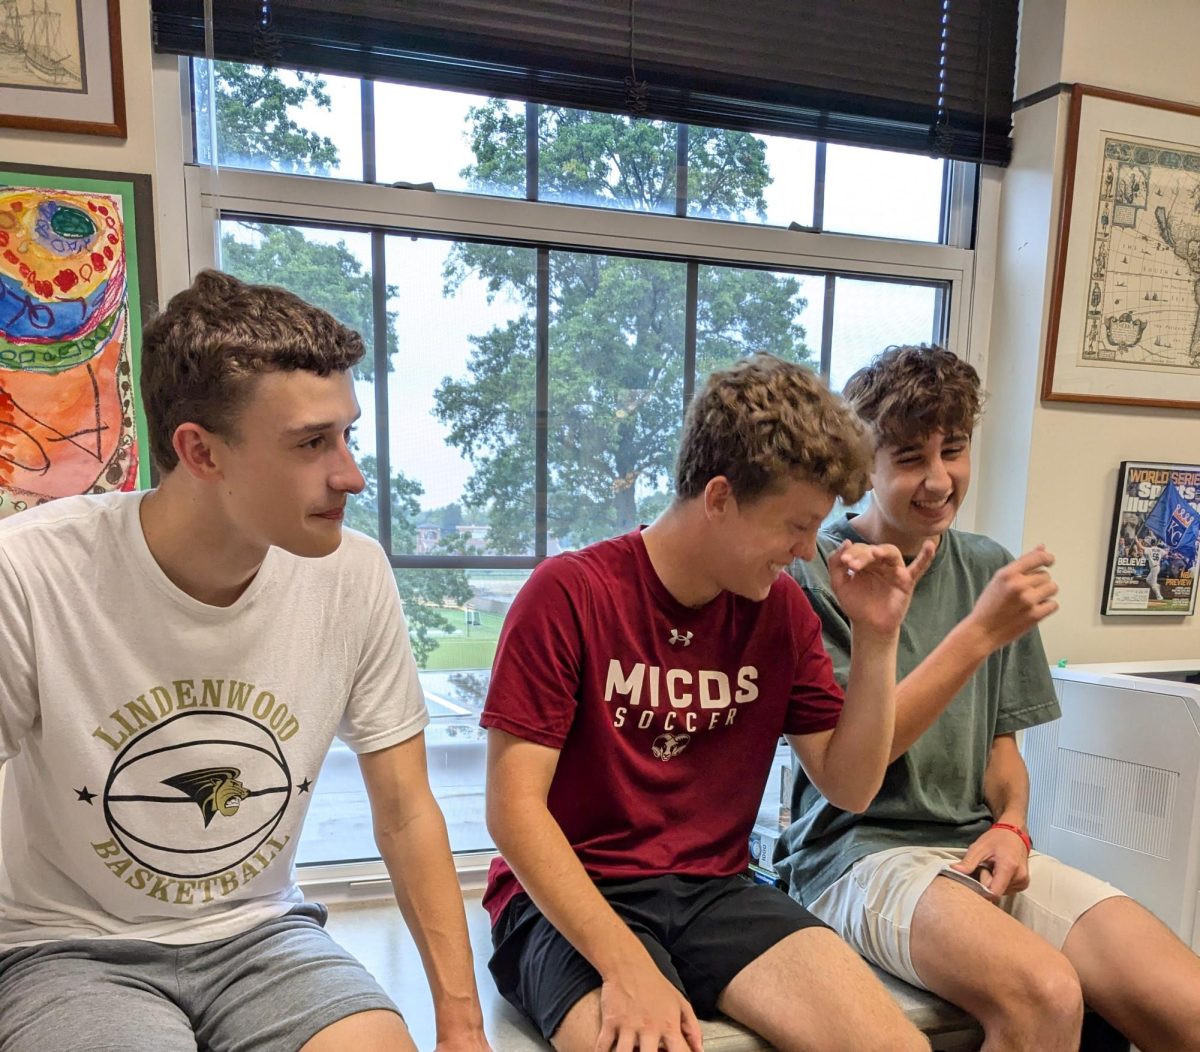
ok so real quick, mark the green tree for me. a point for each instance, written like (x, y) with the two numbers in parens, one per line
(252, 111)
(449, 517)
(256, 119)
(426, 593)
(616, 323)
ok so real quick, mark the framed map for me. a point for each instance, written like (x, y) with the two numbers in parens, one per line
(1125, 307)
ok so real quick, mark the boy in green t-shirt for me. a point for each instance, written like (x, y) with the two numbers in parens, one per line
(937, 881)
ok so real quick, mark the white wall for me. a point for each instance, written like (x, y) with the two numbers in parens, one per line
(135, 154)
(1065, 500)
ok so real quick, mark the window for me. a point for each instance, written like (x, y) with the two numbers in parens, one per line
(419, 138)
(882, 194)
(315, 124)
(578, 269)
(277, 120)
(783, 170)
(465, 450)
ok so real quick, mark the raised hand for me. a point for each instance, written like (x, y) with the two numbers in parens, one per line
(872, 584)
(1017, 597)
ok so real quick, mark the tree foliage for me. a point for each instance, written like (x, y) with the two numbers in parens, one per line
(253, 114)
(426, 593)
(616, 324)
(256, 119)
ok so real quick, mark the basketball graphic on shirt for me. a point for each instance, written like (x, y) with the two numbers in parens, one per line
(198, 793)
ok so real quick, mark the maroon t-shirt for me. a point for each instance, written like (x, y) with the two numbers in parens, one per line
(667, 716)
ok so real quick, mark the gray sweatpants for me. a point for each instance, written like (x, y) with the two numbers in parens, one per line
(267, 990)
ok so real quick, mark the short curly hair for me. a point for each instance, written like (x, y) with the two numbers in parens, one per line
(200, 356)
(907, 393)
(764, 421)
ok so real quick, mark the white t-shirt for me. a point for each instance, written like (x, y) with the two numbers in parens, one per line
(161, 752)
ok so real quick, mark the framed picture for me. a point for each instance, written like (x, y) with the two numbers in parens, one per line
(1125, 307)
(1152, 550)
(76, 272)
(60, 66)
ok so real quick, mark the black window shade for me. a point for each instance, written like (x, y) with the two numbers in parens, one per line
(929, 76)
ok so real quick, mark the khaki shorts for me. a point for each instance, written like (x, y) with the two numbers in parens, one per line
(872, 905)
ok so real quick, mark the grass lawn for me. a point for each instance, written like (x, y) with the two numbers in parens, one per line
(467, 647)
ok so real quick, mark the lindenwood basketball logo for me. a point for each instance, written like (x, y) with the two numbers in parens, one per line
(195, 799)
(215, 790)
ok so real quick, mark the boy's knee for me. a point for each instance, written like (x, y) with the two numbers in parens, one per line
(1050, 990)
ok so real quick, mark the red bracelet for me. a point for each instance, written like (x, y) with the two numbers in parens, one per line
(1019, 831)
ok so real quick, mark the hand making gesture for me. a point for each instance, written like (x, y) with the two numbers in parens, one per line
(1018, 596)
(873, 585)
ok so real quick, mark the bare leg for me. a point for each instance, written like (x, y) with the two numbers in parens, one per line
(1024, 993)
(812, 993)
(580, 1027)
(1138, 975)
(375, 1031)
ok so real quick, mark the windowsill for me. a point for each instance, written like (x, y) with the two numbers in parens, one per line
(368, 883)
(372, 929)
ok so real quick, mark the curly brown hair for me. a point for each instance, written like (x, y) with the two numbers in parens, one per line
(201, 355)
(764, 421)
(907, 393)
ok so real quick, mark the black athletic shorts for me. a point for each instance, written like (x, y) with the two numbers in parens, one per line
(700, 931)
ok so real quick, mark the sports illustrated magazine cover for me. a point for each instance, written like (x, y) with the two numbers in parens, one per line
(1152, 551)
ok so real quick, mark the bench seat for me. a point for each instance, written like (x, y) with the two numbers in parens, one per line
(949, 1029)
(375, 934)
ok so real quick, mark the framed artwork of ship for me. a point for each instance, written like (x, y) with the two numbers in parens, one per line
(1124, 324)
(60, 66)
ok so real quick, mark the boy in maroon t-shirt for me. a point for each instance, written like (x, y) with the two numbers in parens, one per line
(639, 689)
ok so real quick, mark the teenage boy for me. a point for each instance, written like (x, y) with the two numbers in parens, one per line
(639, 690)
(936, 881)
(176, 664)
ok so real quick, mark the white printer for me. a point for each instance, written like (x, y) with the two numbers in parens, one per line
(1115, 784)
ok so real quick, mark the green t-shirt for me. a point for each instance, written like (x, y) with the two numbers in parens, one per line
(933, 794)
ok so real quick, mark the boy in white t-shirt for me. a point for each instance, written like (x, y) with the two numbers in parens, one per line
(176, 665)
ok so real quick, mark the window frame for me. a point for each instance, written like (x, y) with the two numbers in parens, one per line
(206, 194)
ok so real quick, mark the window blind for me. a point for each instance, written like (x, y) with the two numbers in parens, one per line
(928, 76)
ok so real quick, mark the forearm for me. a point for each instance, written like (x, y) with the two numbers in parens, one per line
(534, 845)
(418, 859)
(857, 752)
(922, 696)
(1006, 784)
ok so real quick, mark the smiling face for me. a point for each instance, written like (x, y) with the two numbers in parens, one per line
(918, 489)
(759, 539)
(286, 475)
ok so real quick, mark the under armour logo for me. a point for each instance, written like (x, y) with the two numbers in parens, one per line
(684, 639)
